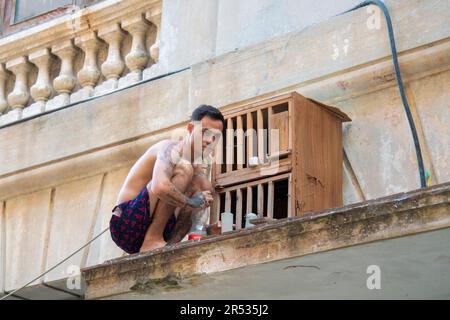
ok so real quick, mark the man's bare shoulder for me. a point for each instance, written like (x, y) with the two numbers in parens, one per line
(168, 151)
(158, 148)
(147, 160)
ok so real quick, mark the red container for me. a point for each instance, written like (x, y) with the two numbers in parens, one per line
(194, 236)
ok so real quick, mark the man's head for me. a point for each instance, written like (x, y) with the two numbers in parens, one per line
(205, 127)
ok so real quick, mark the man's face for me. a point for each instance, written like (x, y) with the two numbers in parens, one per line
(204, 133)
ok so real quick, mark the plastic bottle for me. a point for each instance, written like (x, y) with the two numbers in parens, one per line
(227, 221)
(199, 222)
(250, 216)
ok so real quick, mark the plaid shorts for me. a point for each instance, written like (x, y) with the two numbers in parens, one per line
(130, 221)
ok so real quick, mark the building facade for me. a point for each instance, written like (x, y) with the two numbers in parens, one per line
(87, 86)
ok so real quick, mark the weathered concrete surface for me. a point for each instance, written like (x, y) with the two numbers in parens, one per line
(412, 267)
(44, 292)
(395, 216)
(351, 189)
(244, 23)
(26, 220)
(388, 137)
(188, 33)
(393, 145)
(75, 204)
(432, 98)
(337, 46)
(196, 30)
(101, 122)
(87, 164)
(105, 249)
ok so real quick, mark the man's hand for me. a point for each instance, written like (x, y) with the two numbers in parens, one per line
(208, 198)
(201, 200)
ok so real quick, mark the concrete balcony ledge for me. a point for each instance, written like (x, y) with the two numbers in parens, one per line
(182, 266)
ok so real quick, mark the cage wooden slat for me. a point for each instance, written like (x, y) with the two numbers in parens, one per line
(238, 209)
(250, 137)
(218, 156)
(269, 127)
(249, 199)
(270, 199)
(240, 143)
(230, 145)
(228, 201)
(260, 203)
(260, 127)
(255, 183)
(216, 210)
(290, 197)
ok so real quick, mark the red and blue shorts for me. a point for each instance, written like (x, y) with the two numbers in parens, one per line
(130, 221)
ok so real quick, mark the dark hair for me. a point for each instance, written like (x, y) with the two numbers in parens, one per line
(207, 111)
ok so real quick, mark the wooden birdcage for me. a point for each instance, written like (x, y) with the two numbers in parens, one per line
(279, 158)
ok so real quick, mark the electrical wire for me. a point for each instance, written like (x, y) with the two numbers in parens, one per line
(56, 265)
(398, 76)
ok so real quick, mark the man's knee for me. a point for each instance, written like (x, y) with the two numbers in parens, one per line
(182, 176)
(184, 170)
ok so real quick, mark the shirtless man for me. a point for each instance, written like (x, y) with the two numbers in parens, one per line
(165, 186)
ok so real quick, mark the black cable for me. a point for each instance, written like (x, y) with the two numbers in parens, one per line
(398, 76)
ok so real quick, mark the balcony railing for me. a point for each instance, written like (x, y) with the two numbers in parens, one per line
(85, 53)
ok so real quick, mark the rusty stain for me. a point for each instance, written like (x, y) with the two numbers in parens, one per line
(314, 180)
(385, 78)
(300, 205)
(343, 84)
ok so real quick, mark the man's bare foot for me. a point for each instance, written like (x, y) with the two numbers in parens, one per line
(152, 245)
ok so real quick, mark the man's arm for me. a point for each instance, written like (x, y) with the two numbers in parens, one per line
(184, 222)
(161, 183)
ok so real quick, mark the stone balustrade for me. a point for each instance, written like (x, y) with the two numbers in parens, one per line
(85, 53)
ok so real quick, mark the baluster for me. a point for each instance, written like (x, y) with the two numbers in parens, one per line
(65, 82)
(156, 20)
(20, 96)
(137, 59)
(42, 88)
(114, 65)
(3, 78)
(89, 75)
